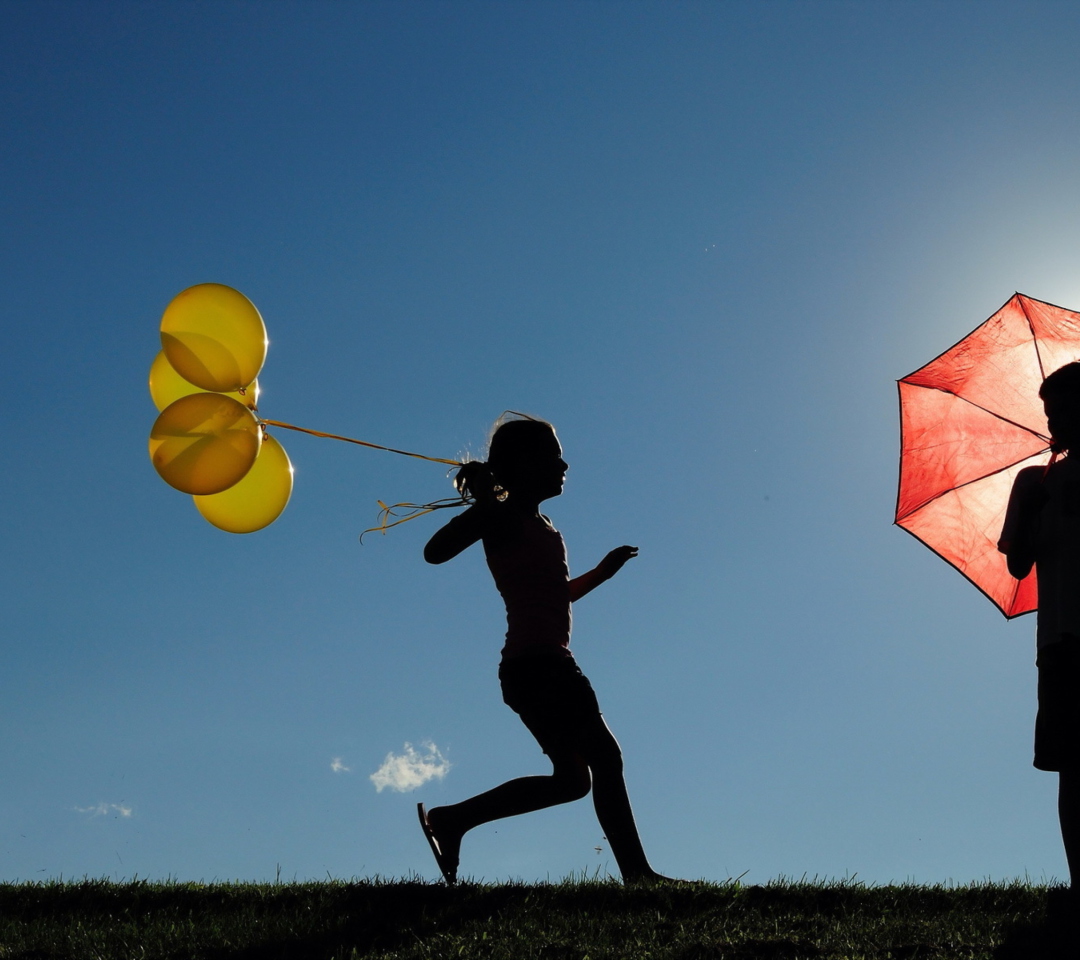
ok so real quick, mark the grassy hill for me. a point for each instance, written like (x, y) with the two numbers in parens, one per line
(573, 920)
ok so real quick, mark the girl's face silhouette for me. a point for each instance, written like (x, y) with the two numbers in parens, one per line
(1063, 421)
(539, 470)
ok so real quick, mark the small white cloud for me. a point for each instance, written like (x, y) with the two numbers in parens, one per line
(411, 769)
(338, 767)
(104, 809)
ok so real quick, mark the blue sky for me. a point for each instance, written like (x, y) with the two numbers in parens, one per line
(703, 239)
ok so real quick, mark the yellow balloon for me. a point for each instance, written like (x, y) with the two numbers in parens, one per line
(214, 337)
(204, 443)
(257, 500)
(166, 385)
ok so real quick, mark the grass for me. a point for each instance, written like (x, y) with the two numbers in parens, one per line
(572, 920)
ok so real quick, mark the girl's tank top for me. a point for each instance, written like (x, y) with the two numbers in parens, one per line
(528, 562)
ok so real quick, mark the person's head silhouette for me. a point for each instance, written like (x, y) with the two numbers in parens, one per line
(1060, 393)
(524, 465)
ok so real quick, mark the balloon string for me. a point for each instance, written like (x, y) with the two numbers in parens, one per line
(415, 510)
(362, 443)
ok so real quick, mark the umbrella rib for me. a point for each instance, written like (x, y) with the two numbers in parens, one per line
(979, 406)
(1001, 469)
(1034, 339)
(967, 483)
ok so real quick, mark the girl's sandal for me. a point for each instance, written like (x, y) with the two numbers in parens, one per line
(447, 865)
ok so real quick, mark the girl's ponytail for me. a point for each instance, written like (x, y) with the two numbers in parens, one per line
(474, 481)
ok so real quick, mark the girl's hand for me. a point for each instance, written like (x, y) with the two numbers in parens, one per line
(604, 570)
(613, 562)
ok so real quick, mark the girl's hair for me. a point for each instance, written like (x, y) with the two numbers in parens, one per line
(1062, 385)
(513, 434)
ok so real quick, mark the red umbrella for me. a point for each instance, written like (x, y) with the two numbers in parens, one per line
(970, 420)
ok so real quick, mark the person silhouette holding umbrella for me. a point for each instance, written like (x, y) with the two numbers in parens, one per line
(1042, 529)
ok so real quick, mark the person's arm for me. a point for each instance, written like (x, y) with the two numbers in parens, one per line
(604, 570)
(459, 534)
(1021, 527)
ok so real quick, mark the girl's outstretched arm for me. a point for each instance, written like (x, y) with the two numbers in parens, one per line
(604, 570)
(460, 533)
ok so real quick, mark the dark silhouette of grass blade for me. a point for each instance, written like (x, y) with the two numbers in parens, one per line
(571, 920)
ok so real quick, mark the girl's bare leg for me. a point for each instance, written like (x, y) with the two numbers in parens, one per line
(598, 762)
(612, 804)
(1069, 815)
(568, 781)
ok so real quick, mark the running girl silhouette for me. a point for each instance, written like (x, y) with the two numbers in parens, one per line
(540, 680)
(1042, 529)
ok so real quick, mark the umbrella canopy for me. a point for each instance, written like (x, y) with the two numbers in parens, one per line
(970, 420)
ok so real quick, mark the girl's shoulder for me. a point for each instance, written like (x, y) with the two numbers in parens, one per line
(1028, 478)
(498, 525)
(1064, 473)
(505, 527)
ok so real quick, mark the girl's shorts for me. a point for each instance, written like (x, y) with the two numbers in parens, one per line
(1057, 725)
(554, 700)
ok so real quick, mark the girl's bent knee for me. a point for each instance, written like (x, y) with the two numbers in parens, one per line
(579, 784)
(576, 790)
(573, 781)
